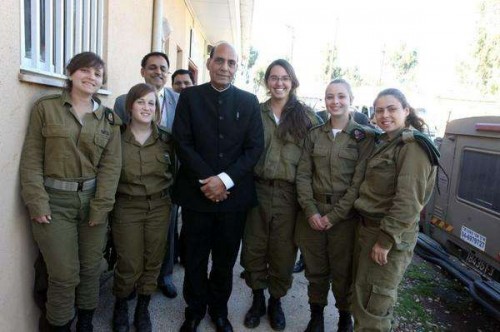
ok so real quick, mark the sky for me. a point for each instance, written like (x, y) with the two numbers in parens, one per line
(442, 31)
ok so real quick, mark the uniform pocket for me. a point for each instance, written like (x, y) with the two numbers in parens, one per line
(349, 154)
(57, 145)
(381, 300)
(291, 153)
(165, 161)
(382, 174)
(320, 156)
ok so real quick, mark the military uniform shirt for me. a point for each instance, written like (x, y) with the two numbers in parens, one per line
(57, 145)
(398, 183)
(333, 166)
(146, 168)
(281, 156)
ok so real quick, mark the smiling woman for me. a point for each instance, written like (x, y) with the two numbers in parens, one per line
(70, 165)
(139, 224)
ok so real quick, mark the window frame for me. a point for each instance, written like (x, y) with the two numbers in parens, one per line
(70, 27)
(460, 189)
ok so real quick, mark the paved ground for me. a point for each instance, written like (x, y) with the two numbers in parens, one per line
(168, 314)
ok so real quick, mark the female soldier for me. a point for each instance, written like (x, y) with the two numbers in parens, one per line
(140, 218)
(268, 253)
(398, 182)
(330, 171)
(70, 166)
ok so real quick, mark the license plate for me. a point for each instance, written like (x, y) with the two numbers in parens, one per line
(473, 238)
(478, 264)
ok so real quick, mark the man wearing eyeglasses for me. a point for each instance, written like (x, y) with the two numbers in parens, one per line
(219, 138)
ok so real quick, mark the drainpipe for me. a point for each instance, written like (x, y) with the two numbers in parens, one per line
(156, 42)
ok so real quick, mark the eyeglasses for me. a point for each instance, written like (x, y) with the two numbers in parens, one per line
(284, 79)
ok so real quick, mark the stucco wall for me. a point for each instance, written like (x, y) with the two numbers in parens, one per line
(129, 39)
(17, 309)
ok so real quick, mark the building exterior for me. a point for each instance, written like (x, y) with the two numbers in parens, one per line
(36, 40)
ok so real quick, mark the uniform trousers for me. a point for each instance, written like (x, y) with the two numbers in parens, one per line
(218, 234)
(328, 257)
(375, 286)
(139, 229)
(73, 253)
(269, 251)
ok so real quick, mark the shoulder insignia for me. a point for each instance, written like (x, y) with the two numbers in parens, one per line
(358, 134)
(112, 118)
(164, 135)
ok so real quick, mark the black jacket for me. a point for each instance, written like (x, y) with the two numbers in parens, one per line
(217, 132)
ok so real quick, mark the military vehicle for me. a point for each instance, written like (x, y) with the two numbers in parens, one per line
(460, 226)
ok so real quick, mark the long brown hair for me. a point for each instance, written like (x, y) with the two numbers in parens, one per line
(412, 119)
(138, 91)
(294, 120)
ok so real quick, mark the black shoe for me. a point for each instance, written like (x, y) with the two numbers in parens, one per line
(120, 316)
(64, 328)
(276, 315)
(299, 265)
(142, 321)
(84, 323)
(257, 310)
(317, 322)
(222, 324)
(167, 287)
(345, 321)
(190, 325)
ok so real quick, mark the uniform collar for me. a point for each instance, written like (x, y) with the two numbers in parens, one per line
(98, 112)
(129, 137)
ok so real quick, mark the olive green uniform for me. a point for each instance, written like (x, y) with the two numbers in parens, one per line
(398, 182)
(139, 221)
(328, 177)
(268, 253)
(58, 147)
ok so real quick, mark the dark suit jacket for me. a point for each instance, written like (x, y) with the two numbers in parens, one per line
(217, 132)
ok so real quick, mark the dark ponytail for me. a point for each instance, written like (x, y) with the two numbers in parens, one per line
(412, 119)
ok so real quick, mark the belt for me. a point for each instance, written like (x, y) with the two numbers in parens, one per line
(152, 197)
(70, 185)
(272, 182)
(328, 198)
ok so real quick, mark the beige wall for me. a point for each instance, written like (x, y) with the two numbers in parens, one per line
(128, 34)
(16, 246)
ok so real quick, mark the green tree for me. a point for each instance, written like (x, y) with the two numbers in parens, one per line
(487, 48)
(404, 62)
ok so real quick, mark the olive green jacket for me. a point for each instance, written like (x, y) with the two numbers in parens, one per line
(57, 145)
(281, 156)
(333, 166)
(398, 183)
(147, 168)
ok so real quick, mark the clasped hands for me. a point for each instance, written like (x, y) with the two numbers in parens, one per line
(319, 223)
(214, 189)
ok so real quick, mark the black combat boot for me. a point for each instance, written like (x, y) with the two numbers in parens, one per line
(257, 310)
(276, 315)
(120, 315)
(64, 328)
(142, 321)
(317, 322)
(84, 322)
(345, 321)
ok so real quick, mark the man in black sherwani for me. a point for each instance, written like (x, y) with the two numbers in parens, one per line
(219, 138)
